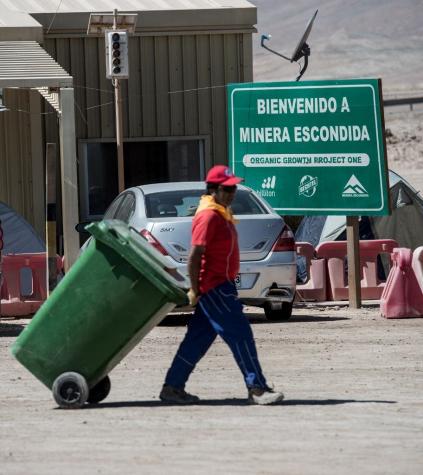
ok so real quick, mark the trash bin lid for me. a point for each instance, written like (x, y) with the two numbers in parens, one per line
(131, 246)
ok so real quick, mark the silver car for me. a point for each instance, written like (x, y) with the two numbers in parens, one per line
(163, 212)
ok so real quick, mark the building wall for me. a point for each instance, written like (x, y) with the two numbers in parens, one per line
(21, 156)
(176, 88)
(160, 66)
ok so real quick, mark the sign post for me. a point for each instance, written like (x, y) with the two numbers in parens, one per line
(353, 256)
(313, 148)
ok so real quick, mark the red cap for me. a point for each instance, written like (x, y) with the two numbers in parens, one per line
(222, 175)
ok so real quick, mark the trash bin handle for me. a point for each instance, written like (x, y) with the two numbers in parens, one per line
(118, 236)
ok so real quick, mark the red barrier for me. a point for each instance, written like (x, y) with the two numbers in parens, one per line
(402, 296)
(314, 289)
(417, 265)
(335, 253)
(13, 302)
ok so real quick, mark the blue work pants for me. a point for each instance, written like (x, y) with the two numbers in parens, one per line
(218, 312)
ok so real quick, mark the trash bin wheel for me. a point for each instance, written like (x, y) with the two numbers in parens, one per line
(70, 390)
(100, 391)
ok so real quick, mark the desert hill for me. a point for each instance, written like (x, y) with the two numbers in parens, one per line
(355, 38)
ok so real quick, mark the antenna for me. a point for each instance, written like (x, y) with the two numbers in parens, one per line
(267, 37)
(301, 50)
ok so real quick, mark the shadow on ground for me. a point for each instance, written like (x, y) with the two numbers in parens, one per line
(313, 318)
(10, 329)
(237, 402)
(181, 319)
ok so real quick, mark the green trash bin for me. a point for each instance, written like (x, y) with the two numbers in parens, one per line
(114, 294)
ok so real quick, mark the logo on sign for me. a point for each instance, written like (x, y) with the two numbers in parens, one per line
(308, 186)
(354, 189)
(269, 183)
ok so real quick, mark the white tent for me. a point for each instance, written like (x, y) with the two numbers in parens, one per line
(405, 224)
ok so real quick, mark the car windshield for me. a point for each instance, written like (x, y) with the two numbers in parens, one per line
(183, 203)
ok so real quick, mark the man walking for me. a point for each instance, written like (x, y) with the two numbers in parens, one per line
(213, 265)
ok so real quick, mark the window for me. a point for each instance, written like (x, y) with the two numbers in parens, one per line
(111, 211)
(101, 178)
(162, 162)
(157, 161)
(246, 203)
(172, 203)
(127, 208)
(183, 203)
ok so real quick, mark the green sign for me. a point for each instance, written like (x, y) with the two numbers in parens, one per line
(310, 148)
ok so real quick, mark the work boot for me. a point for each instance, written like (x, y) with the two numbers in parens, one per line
(264, 396)
(177, 395)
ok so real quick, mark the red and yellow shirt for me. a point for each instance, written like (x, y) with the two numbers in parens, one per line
(220, 261)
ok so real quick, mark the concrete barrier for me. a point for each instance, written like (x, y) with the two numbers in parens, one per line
(402, 296)
(314, 289)
(15, 300)
(335, 253)
(417, 265)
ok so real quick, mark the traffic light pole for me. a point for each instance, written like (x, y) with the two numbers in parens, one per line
(119, 122)
(119, 134)
(116, 29)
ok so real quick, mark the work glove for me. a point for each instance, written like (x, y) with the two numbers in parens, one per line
(192, 297)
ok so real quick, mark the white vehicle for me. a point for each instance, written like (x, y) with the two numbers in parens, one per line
(163, 213)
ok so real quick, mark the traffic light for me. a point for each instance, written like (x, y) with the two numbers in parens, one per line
(117, 54)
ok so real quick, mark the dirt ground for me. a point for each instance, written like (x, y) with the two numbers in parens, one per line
(353, 383)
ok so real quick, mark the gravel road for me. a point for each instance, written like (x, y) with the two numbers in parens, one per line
(353, 383)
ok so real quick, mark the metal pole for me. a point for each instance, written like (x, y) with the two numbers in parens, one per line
(51, 216)
(119, 123)
(353, 251)
(119, 134)
(115, 14)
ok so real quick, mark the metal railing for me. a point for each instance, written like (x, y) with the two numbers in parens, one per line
(403, 100)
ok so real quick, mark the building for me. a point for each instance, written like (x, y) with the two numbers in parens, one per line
(182, 55)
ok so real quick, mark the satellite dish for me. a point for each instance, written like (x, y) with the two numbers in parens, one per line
(302, 48)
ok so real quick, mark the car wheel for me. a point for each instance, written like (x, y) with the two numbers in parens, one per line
(278, 311)
(70, 390)
(100, 391)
